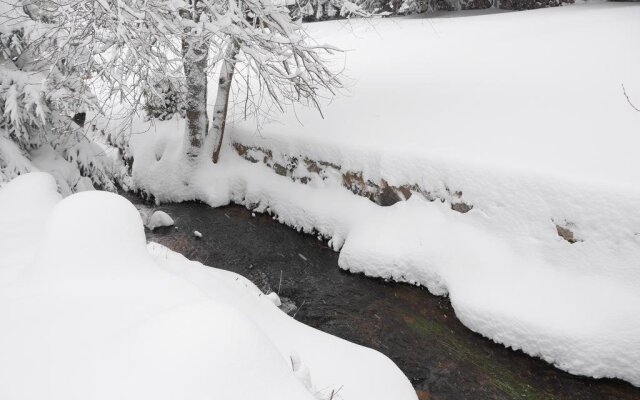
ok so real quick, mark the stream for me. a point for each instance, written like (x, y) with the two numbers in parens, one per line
(417, 330)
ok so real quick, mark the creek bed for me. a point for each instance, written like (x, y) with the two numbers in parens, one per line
(417, 330)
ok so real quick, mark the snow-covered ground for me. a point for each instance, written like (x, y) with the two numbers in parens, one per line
(537, 90)
(523, 115)
(90, 311)
(519, 115)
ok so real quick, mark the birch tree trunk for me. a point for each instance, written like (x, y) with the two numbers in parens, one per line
(194, 57)
(222, 99)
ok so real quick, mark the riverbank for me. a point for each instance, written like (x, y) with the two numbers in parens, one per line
(417, 330)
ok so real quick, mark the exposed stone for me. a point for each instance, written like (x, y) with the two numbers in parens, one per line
(243, 151)
(406, 192)
(268, 156)
(387, 196)
(381, 192)
(312, 166)
(423, 394)
(240, 149)
(331, 165)
(461, 207)
(280, 170)
(566, 233)
(354, 182)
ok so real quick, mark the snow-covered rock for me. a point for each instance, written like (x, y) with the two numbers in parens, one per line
(159, 219)
(274, 298)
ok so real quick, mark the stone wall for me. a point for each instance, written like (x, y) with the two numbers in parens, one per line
(303, 169)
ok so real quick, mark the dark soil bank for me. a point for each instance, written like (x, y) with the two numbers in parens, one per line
(419, 331)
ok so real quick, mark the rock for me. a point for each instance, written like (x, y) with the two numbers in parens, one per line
(159, 219)
(566, 233)
(461, 207)
(387, 196)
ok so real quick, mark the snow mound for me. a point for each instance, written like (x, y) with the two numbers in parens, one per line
(92, 223)
(98, 314)
(159, 219)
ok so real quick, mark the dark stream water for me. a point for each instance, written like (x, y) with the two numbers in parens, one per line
(419, 331)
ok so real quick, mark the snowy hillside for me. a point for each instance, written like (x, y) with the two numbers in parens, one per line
(516, 120)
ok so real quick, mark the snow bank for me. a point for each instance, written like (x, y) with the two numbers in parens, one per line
(585, 322)
(90, 311)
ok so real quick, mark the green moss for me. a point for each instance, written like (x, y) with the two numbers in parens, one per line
(499, 376)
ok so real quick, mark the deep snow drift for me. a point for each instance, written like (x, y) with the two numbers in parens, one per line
(89, 311)
(524, 116)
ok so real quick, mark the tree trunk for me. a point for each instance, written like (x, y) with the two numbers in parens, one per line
(222, 99)
(194, 57)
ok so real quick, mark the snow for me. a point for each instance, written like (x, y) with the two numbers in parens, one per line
(523, 115)
(502, 293)
(25, 203)
(67, 175)
(12, 161)
(90, 310)
(274, 298)
(76, 165)
(538, 90)
(159, 219)
(519, 115)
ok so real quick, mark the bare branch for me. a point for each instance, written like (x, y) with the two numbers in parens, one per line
(624, 91)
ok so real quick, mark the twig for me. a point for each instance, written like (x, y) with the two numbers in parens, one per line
(295, 313)
(629, 100)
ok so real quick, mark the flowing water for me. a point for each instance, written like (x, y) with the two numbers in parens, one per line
(419, 331)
